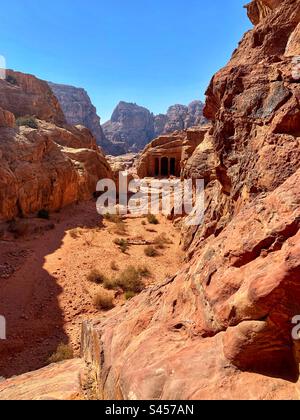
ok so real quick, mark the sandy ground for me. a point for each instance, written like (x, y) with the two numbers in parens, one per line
(44, 293)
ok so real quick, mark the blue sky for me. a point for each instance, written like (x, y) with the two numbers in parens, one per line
(152, 52)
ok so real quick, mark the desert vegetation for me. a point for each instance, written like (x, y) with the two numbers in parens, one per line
(30, 122)
(63, 352)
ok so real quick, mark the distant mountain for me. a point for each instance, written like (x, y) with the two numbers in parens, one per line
(132, 127)
(78, 109)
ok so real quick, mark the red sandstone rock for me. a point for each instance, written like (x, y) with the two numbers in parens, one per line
(221, 329)
(55, 382)
(179, 145)
(25, 95)
(47, 168)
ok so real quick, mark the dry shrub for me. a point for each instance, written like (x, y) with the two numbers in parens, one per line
(104, 300)
(161, 241)
(95, 276)
(129, 295)
(152, 219)
(120, 229)
(129, 280)
(151, 252)
(144, 271)
(122, 244)
(113, 218)
(63, 352)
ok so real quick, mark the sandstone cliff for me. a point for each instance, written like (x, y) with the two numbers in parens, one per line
(78, 109)
(132, 127)
(180, 117)
(49, 165)
(25, 95)
(221, 328)
(46, 168)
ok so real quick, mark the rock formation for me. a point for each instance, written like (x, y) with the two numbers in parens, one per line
(132, 127)
(168, 154)
(58, 382)
(25, 95)
(180, 117)
(222, 327)
(47, 167)
(78, 109)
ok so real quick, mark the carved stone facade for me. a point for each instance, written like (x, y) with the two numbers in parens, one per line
(165, 156)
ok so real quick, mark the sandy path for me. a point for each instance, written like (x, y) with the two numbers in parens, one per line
(44, 294)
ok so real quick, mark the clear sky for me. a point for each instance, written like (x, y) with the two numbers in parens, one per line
(152, 52)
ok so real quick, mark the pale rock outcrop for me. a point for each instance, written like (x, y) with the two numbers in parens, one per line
(57, 382)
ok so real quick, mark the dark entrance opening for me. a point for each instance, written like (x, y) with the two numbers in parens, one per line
(165, 167)
(156, 167)
(173, 167)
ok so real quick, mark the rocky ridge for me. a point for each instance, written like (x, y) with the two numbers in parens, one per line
(132, 127)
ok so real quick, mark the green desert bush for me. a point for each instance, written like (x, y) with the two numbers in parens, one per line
(63, 352)
(30, 122)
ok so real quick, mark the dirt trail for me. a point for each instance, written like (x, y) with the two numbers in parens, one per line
(44, 294)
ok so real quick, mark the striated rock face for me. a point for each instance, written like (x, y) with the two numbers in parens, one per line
(25, 95)
(78, 109)
(132, 127)
(222, 327)
(58, 382)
